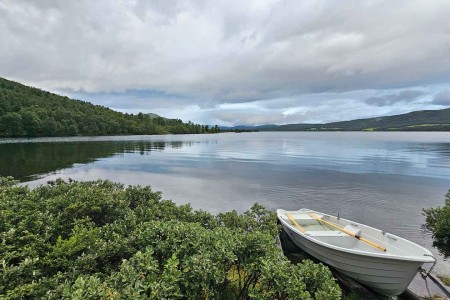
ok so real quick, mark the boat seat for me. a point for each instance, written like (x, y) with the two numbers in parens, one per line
(352, 229)
(334, 237)
(326, 233)
(302, 218)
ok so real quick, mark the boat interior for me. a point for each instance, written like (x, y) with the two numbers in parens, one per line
(323, 232)
(341, 233)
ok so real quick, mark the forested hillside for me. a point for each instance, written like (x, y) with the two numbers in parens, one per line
(425, 120)
(31, 112)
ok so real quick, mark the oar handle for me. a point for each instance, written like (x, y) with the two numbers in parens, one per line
(349, 233)
(295, 223)
(372, 244)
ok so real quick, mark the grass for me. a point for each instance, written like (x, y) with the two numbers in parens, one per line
(427, 125)
(444, 279)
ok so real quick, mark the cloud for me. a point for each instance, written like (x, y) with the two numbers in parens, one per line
(443, 98)
(404, 97)
(202, 54)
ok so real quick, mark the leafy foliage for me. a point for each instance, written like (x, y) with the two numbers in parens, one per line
(438, 222)
(101, 240)
(27, 111)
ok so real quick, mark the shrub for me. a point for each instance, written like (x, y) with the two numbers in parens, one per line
(438, 222)
(101, 240)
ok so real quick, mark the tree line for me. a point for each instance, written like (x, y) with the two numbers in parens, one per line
(31, 112)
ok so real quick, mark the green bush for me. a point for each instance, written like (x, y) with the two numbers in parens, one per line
(438, 222)
(101, 240)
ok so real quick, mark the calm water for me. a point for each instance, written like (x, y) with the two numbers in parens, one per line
(380, 179)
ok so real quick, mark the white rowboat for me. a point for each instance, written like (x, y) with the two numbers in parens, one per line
(384, 262)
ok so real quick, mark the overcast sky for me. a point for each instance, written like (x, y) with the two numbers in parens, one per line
(234, 62)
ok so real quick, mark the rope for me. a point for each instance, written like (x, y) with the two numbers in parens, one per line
(425, 274)
(422, 270)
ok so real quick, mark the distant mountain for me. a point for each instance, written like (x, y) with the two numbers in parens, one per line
(424, 120)
(152, 115)
(244, 127)
(29, 112)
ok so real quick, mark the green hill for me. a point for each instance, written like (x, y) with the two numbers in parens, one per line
(31, 112)
(425, 120)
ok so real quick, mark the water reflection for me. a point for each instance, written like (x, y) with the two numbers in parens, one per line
(29, 161)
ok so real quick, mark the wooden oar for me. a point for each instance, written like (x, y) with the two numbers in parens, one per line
(295, 223)
(349, 233)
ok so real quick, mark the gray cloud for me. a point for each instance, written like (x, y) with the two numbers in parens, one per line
(404, 96)
(202, 54)
(443, 98)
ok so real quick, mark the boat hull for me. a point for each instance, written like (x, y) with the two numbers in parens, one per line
(387, 276)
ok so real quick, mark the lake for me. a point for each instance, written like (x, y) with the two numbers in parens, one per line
(382, 179)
